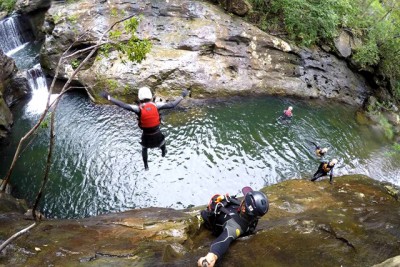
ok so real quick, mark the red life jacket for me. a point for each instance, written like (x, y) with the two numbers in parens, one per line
(288, 113)
(149, 116)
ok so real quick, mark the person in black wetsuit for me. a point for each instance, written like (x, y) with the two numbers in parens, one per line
(229, 219)
(320, 151)
(148, 119)
(325, 168)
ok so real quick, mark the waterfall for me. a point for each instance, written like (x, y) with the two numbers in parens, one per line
(15, 31)
(36, 78)
(38, 85)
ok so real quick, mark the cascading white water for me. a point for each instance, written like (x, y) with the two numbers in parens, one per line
(36, 78)
(17, 41)
(38, 85)
(15, 32)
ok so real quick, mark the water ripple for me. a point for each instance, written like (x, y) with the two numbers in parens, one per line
(216, 148)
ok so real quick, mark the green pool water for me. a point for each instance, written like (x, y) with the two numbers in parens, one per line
(213, 147)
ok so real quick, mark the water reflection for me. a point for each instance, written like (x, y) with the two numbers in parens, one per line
(213, 147)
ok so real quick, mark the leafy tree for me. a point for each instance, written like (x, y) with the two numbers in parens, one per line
(7, 5)
(132, 48)
(375, 22)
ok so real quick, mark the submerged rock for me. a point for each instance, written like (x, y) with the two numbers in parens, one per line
(353, 222)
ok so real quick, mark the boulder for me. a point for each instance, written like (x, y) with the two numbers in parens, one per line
(7, 70)
(28, 6)
(6, 118)
(7, 67)
(16, 88)
(237, 7)
(345, 43)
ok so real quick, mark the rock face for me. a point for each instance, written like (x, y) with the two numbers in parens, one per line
(7, 69)
(353, 222)
(196, 44)
(27, 6)
(13, 87)
(345, 43)
(237, 7)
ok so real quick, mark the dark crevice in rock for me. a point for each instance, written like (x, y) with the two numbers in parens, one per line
(104, 255)
(329, 230)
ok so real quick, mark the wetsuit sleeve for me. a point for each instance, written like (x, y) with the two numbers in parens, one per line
(121, 104)
(231, 232)
(316, 146)
(331, 175)
(168, 105)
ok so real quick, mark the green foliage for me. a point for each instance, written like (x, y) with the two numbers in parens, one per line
(57, 18)
(396, 147)
(73, 18)
(367, 54)
(112, 85)
(378, 25)
(387, 127)
(127, 89)
(109, 85)
(114, 12)
(127, 43)
(46, 121)
(375, 22)
(309, 21)
(396, 89)
(7, 5)
(75, 63)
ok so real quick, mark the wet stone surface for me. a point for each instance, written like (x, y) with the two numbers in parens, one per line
(353, 222)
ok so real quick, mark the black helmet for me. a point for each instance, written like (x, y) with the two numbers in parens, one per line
(256, 203)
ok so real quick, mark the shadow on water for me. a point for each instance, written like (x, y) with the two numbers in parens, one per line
(213, 147)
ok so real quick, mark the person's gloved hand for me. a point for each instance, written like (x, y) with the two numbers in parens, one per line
(209, 260)
(185, 92)
(105, 95)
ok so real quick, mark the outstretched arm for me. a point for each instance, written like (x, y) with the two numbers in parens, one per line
(174, 103)
(121, 104)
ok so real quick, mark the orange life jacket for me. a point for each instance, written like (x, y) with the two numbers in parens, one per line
(149, 116)
(326, 167)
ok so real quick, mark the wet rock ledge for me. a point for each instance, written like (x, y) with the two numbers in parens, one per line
(354, 222)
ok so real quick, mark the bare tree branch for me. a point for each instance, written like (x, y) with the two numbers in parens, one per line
(14, 236)
(64, 89)
(31, 131)
(36, 126)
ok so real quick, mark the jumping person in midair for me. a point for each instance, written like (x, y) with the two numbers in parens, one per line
(148, 119)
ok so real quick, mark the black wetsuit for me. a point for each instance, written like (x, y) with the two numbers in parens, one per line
(286, 117)
(323, 170)
(228, 225)
(151, 137)
(318, 150)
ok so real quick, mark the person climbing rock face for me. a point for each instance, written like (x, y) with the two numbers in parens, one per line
(324, 169)
(228, 218)
(148, 119)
